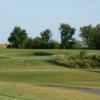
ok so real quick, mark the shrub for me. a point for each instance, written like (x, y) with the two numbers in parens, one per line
(78, 61)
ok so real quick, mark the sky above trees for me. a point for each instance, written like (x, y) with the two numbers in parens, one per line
(38, 15)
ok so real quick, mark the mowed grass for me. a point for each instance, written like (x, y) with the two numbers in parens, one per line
(25, 59)
(24, 66)
(27, 76)
(60, 78)
(23, 91)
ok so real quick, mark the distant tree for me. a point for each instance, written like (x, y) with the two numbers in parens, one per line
(54, 44)
(86, 35)
(77, 45)
(46, 38)
(29, 43)
(37, 43)
(46, 35)
(67, 33)
(91, 35)
(18, 38)
(96, 37)
(71, 43)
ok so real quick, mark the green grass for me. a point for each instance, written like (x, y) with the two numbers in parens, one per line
(53, 77)
(18, 66)
(22, 91)
(23, 65)
(25, 59)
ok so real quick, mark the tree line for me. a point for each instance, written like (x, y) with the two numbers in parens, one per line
(90, 38)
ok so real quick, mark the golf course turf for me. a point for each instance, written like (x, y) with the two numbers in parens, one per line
(29, 75)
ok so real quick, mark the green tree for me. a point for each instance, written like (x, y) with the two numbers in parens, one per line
(96, 37)
(91, 34)
(46, 35)
(46, 38)
(37, 43)
(29, 43)
(77, 45)
(86, 35)
(67, 33)
(54, 44)
(18, 38)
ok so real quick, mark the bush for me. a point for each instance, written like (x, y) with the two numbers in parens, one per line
(78, 61)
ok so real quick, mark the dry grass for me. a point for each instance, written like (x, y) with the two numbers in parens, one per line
(3, 45)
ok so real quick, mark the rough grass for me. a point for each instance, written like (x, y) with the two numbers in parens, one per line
(22, 91)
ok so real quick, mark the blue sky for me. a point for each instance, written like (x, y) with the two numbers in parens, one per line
(37, 15)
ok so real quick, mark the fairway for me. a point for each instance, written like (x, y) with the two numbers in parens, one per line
(29, 74)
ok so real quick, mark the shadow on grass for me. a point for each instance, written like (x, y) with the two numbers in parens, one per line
(42, 53)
